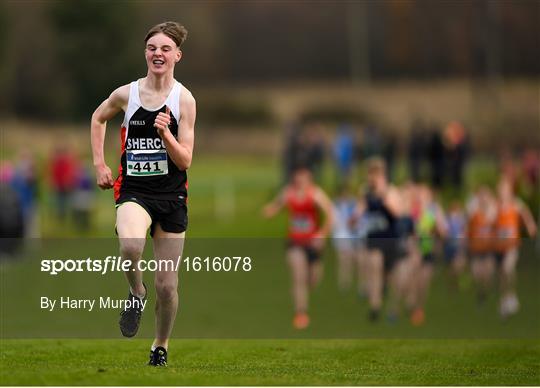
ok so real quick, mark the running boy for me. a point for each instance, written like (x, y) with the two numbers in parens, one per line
(343, 237)
(481, 211)
(431, 223)
(510, 211)
(150, 191)
(303, 200)
(382, 206)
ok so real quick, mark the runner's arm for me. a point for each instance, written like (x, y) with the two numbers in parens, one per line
(527, 218)
(392, 201)
(358, 212)
(273, 207)
(442, 224)
(98, 126)
(325, 204)
(179, 149)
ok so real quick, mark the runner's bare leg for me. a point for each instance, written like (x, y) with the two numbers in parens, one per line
(132, 222)
(299, 275)
(167, 246)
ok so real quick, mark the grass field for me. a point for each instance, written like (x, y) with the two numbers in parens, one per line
(251, 313)
(273, 362)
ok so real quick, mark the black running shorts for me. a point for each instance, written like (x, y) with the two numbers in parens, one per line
(389, 248)
(171, 215)
(312, 254)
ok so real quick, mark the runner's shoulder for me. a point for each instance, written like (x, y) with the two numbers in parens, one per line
(394, 193)
(519, 203)
(120, 96)
(188, 98)
(188, 109)
(319, 192)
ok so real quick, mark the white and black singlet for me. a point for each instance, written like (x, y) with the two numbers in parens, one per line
(146, 170)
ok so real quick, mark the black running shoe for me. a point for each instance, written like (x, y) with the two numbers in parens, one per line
(158, 357)
(373, 315)
(131, 318)
(481, 299)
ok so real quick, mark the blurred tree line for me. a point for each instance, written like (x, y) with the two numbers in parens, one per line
(61, 58)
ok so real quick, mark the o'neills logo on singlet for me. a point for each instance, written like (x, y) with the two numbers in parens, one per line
(137, 122)
(144, 143)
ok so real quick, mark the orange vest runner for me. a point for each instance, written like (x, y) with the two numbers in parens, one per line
(479, 233)
(506, 227)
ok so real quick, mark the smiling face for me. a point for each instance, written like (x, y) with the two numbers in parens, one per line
(161, 54)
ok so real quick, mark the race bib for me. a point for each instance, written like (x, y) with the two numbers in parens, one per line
(506, 232)
(301, 224)
(376, 223)
(146, 162)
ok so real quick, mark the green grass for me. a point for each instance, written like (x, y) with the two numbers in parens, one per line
(273, 362)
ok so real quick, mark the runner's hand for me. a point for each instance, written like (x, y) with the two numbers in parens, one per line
(104, 177)
(162, 122)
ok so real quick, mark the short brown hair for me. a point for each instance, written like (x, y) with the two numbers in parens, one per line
(173, 30)
(376, 165)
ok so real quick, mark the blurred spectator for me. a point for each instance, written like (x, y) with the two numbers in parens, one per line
(457, 149)
(344, 153)
(290, 152)
(63, 169)
(435, 153)
(531, 167)
(416, 151)
(305, 148)
(25, 184)
(389, 154)
(371, 142)
(11, 213)
(358, 146)
(315, 149)
(83, 199)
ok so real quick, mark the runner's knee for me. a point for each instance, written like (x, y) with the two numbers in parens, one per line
(166, 289)
(131, 248)
(507, 269)
(376, 261)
